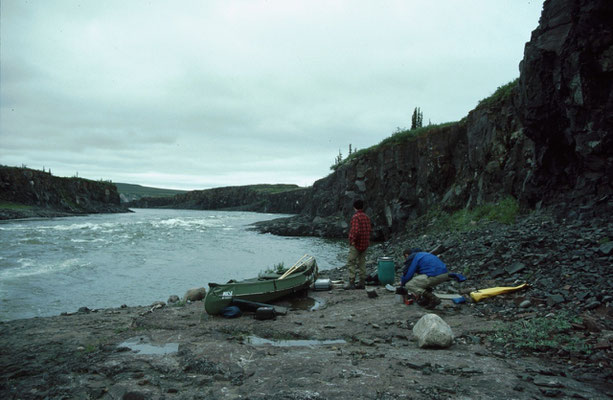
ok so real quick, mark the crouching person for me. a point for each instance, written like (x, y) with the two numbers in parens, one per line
(422, 272)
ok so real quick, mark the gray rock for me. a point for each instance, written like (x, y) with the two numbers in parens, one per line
(551, 392)
(173, 299)
(555, 299)
(605, 249)
(134, 396)
(497, 273)
(582, 295)
(117, 391)
(195, 294)
(525, 304)
(157, 305)
(547, 382)
(433, 332)
(515, 268)
(360, 185)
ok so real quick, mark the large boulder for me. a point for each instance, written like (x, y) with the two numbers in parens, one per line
(431, 331)
(195, 294)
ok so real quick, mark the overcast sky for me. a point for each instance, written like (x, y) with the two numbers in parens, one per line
(199, 94)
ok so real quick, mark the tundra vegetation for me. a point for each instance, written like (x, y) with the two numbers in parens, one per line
(401, 135)
(437, 220)
(551, 332)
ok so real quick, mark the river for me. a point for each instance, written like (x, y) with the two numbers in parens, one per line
(50, 266)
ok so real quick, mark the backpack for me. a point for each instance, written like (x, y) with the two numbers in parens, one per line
(231, 312)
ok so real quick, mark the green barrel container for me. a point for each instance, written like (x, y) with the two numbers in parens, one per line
(386, 270)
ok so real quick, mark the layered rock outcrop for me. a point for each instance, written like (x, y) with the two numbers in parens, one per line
(477, 160)
(49, 194)
(565, 99)
(289, 199)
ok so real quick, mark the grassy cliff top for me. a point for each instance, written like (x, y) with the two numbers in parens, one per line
(145, 191)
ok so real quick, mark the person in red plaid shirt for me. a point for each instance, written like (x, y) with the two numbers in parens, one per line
(359, 239)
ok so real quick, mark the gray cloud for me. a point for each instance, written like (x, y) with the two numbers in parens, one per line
(193, 94)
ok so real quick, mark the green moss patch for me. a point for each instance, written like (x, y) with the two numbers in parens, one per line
(7, 205)
(504, 211)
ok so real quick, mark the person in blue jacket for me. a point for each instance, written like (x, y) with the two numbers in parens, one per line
(422, 272)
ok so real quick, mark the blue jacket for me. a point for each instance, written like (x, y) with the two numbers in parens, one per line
(423, 263)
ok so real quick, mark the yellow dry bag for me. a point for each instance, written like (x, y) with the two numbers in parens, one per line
(481, 294)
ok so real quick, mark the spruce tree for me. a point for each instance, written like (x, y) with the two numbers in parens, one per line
(417, 120)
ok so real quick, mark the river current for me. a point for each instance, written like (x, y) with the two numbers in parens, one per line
(50, 266)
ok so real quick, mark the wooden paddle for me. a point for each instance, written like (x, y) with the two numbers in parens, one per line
(294, 267)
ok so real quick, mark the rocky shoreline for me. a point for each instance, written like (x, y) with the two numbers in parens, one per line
(38, 212)
(342, 344)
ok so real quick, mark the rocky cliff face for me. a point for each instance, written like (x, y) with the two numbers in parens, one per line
(464, 164)
(548, 140)
(51, 193)
(565, 100)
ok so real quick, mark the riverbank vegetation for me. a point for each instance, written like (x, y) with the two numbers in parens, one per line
(551, 332)
(7, 205)
(504, 211)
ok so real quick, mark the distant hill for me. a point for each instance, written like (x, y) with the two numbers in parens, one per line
(275, 198)
(129, 192)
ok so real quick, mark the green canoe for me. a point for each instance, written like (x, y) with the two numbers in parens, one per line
(262, 289)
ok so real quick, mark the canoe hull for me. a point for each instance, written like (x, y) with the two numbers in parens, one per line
(259, 290)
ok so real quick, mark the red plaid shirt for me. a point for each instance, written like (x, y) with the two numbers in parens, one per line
(359, 233)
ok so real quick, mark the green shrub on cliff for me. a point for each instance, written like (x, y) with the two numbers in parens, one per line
(401, 136)
(502, 93)
(398, 137)
(274, 188)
